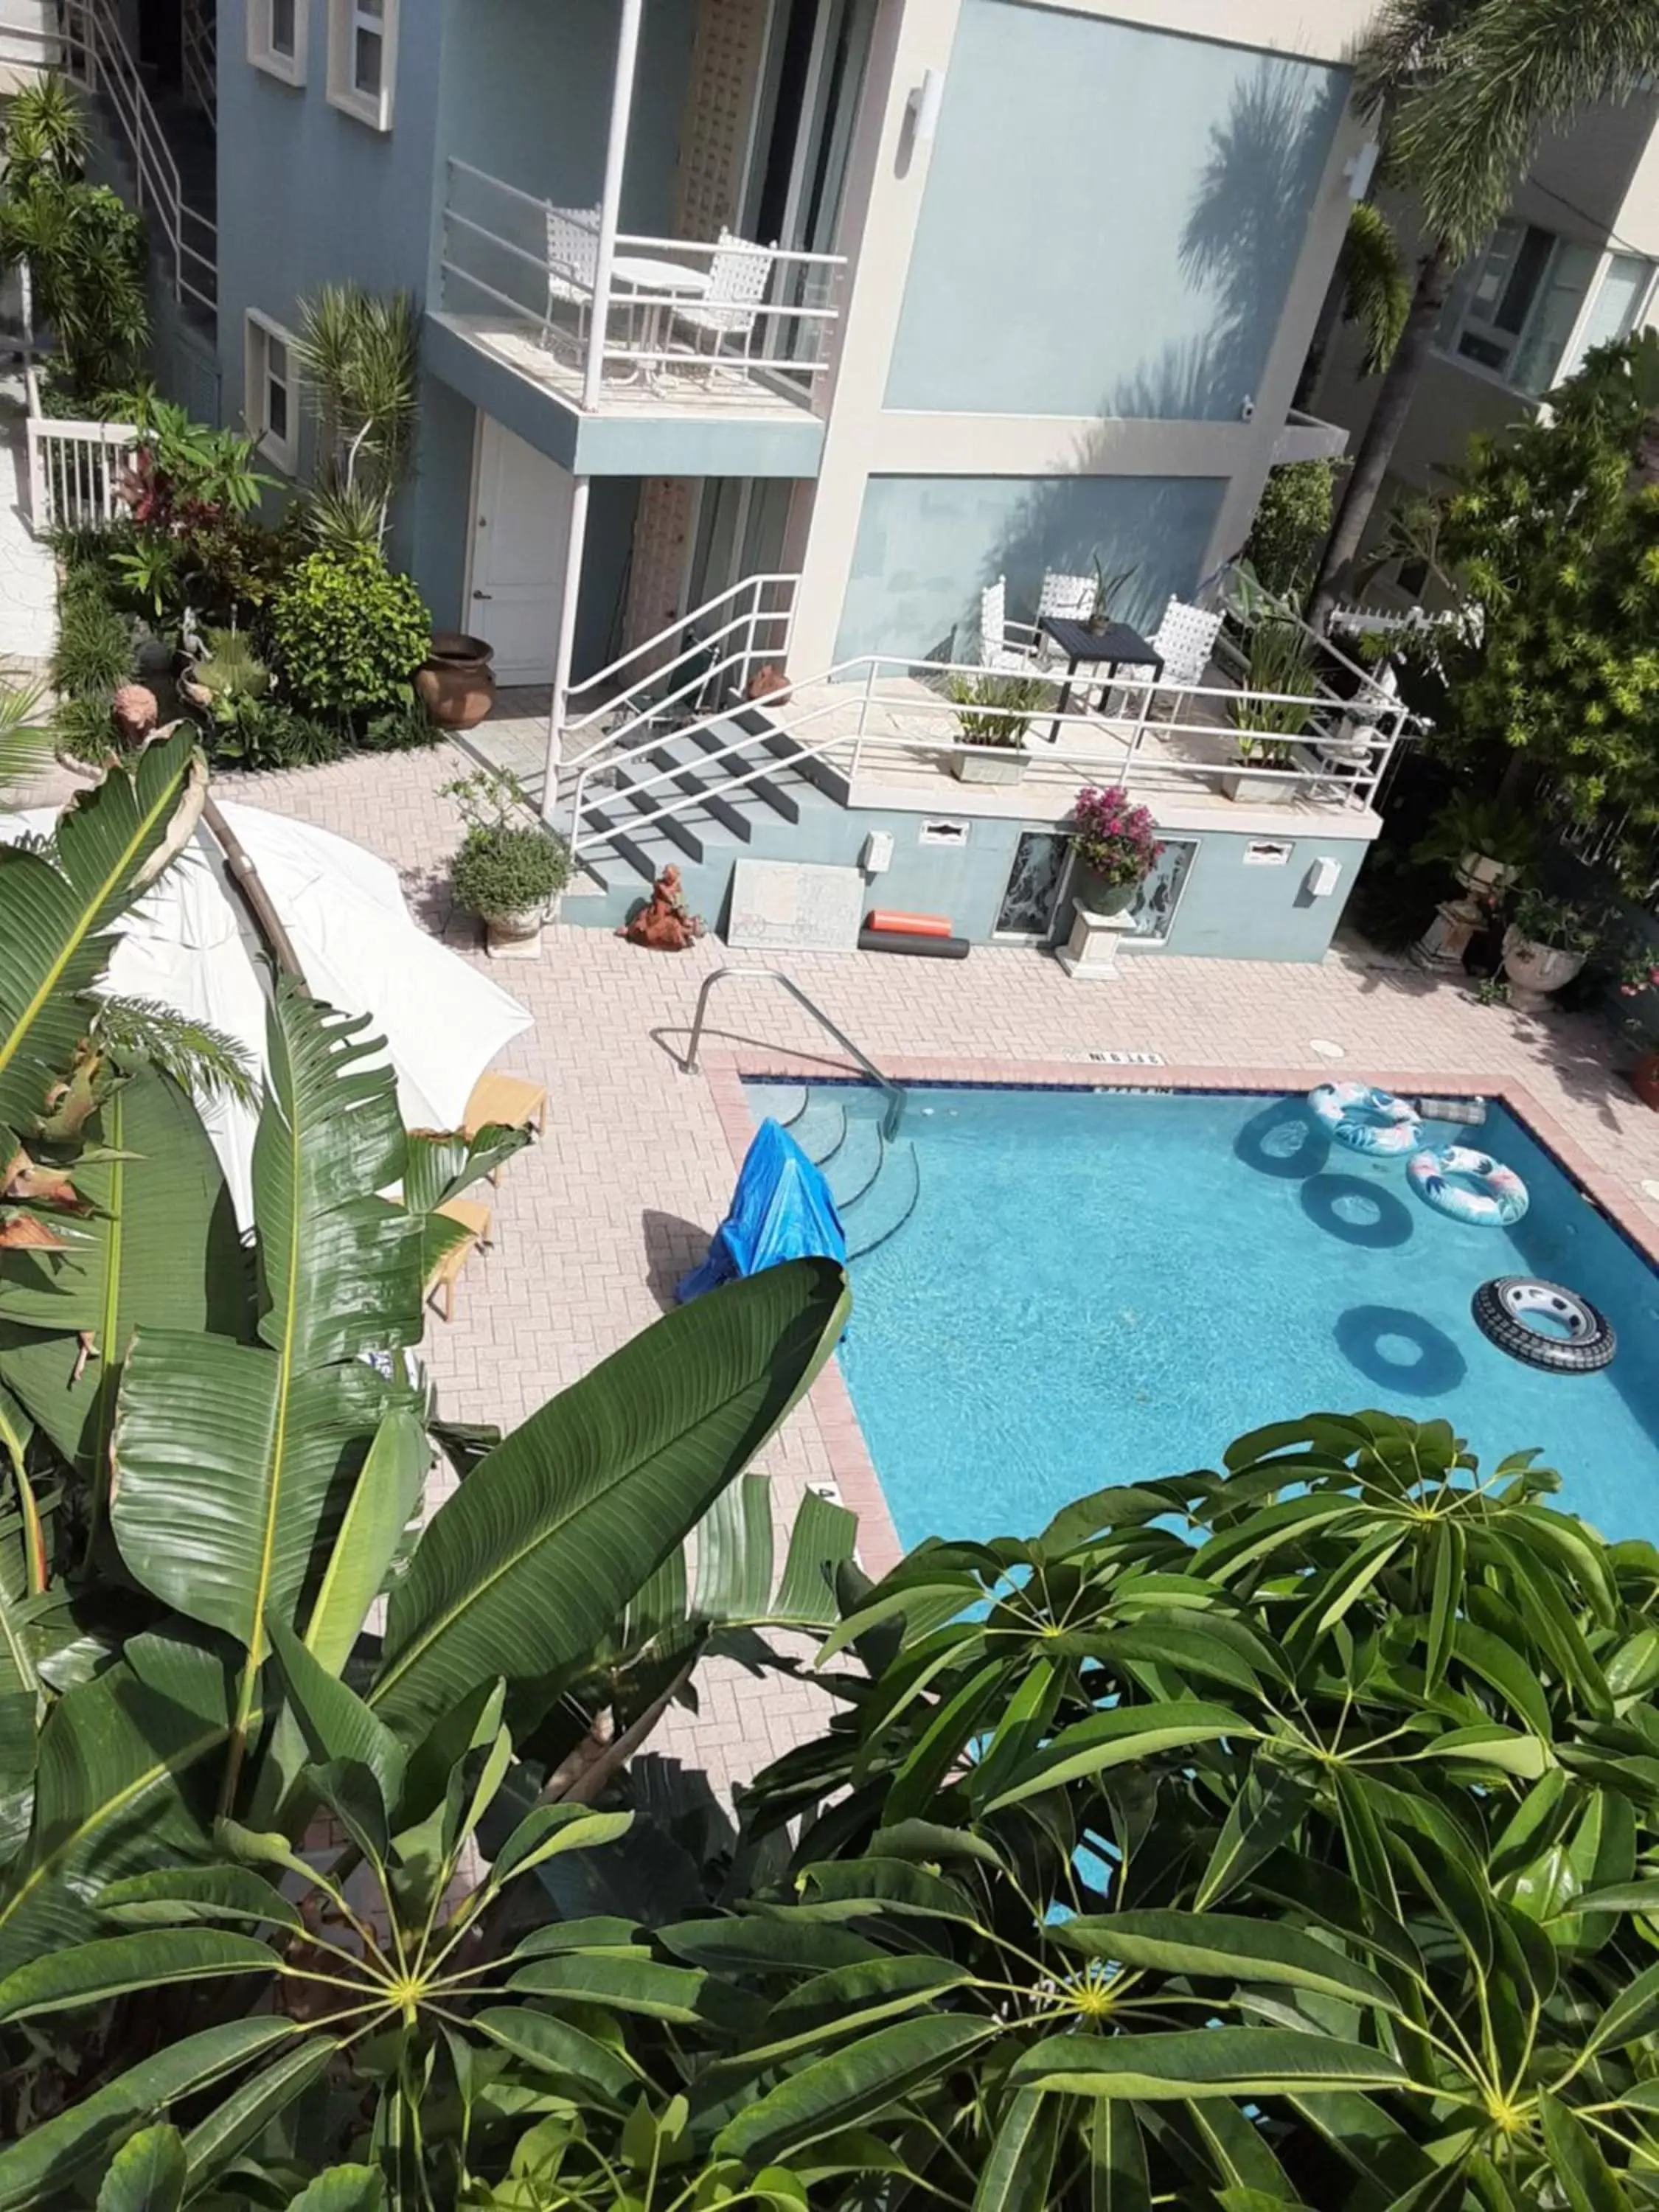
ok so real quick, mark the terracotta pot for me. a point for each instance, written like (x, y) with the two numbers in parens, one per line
(457, 683)
(1644, 1080)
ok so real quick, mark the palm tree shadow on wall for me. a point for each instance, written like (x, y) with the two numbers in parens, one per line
(1240, 243)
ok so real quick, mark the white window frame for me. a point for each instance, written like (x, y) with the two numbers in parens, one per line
(343, 20)
(269, 58)
(1449, 339)
(257, 332)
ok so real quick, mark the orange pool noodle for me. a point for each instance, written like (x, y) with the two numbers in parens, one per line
(908, 925)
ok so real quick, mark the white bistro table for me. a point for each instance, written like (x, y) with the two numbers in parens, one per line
(656, 284)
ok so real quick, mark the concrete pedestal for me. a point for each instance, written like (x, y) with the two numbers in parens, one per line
(1441, 947)
(1090, 954)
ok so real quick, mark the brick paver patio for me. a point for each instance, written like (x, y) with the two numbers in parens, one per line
(594, 1224)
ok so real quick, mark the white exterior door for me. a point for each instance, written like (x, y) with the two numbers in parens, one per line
(520, 528)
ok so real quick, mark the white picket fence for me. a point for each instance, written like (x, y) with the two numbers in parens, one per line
(75, 472)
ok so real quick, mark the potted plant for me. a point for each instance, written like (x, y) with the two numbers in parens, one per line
(1106, 591)
(457, 680)
(1487, 843)
(1115, 847)
(1546, 945)
(1645, 1075)
(1281, 662)
(994, 712)
(510, 868)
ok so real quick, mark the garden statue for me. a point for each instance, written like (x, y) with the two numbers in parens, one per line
(666, 924)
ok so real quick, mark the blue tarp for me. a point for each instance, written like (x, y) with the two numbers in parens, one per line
(782, 1209)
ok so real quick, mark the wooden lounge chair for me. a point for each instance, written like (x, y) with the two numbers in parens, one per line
(474, 1218)
(510, 1100)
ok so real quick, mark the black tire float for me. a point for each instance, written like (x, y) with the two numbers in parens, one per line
(1500, 1308)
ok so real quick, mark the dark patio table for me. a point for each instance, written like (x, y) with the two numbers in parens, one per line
(1107, 650)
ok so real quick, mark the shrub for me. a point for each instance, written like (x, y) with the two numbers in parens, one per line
(1114, 837)
(507, 864)
(84, 728)
(349, 636)
(996, 710)
(94, 651)
(403, 728)
(255, 732)
(1291, 525)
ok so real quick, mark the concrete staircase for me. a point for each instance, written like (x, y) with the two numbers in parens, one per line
(791, 807)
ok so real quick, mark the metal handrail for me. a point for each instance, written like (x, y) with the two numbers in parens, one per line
(891, 1120)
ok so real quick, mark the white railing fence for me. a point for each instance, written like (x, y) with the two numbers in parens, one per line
(721, 646)
(75, 472)
(669, 318)
(869, 721)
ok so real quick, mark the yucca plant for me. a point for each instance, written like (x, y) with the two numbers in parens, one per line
(358, 352)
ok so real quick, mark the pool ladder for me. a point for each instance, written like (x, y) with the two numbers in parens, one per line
(892, 1120)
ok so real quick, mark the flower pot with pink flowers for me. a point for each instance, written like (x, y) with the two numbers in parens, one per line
(1115, 847)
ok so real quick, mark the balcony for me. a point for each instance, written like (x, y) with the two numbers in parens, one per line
(1306, 438)
(636, 328)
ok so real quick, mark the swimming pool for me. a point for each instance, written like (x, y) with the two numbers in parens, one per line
(1095, 1286)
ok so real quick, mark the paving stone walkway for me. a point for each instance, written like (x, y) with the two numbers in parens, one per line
(594, 1224)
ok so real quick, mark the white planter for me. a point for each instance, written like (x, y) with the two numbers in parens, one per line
(1477, 871)
(518, 936)
(988, 765)
(1262, 787)
(1535, 970)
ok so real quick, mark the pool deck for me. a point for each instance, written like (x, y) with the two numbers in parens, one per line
(593, 1223)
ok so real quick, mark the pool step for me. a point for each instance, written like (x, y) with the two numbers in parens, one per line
(889, 1203)
(820, 1127)
(857, 1164)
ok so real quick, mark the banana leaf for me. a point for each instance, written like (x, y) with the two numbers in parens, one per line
(57, 905)
(159, 1250)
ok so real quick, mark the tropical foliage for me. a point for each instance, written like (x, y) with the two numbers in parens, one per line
(211, 1452)
(359, 353)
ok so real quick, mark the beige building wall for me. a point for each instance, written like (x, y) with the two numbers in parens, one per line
(879, 227)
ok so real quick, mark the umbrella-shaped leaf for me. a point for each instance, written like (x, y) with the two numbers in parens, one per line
(127, 1764)
(848, 2001)
(553, 2046)
(1226, 1945)
(159, 1250)
(539, 1550)
(603, 1978)
(57, 906)
(37, 2171)
(146, 2174)
(1577, 2162)
(249, 2109)
(342, 2189)
(850, 2087)
(1117, 2161)
(1221, 2062)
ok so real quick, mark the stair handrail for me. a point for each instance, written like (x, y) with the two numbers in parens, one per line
(111, 69)
(650, 706)
(198, 42)
(752, 585)
(895, 1094)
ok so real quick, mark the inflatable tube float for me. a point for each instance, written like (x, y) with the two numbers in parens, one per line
(1575, 1337)
(893, 924)
(1366, 1120)
(1485, 1192)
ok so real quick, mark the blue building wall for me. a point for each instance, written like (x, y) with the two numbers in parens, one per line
(926, 545)
(1112, 219)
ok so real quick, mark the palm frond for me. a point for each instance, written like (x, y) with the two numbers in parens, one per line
(1403, 49)
(1375, 285)
(199, 1058)
(1509, 71)
(26, 741)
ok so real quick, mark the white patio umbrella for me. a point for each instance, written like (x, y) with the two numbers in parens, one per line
(186, 945)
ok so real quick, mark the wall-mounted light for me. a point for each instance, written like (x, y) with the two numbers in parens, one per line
(1362, 168)
(923, 107)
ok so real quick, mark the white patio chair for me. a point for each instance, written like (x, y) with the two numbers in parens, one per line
(1068, 598)
(573, 251)
(738, 277)
(998, 649)
(1184, 641)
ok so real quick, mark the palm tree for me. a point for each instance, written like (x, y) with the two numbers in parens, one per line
(1464, 90)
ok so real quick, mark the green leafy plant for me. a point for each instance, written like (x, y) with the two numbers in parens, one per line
(1495, 829)
(509, 863)
(186, 474)
(404, 728)
(150, 571)
(996, 709)
(256, 733)
(349, 636)
(360, 354)
(25, 735)
(1376, 295)
(1282, 662)
(231, 669)
(84, 249)
(1558, 922)
(95, 652)
(1293, 522)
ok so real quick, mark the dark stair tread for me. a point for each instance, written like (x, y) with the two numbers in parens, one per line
(674, 827)
(764, 786)
(719, 807)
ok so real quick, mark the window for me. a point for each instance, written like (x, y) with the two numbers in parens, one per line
(273, 399)
(1514, 311)
(277, 38)
(362, 51)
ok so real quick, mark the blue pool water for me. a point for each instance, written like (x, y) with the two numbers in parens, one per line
(1100, 1286)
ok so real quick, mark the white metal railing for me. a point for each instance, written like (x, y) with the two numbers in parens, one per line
(642, 331)
(74, 468)
(200, 59)
(92, 51)
(727, 640)
(1340, 759)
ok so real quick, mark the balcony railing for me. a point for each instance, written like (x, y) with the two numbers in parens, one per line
(678, 320)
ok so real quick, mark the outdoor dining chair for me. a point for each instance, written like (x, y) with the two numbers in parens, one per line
(728, 310)
(474, 1218)
(572, 249)
(1000, 647)
(1184, 639)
